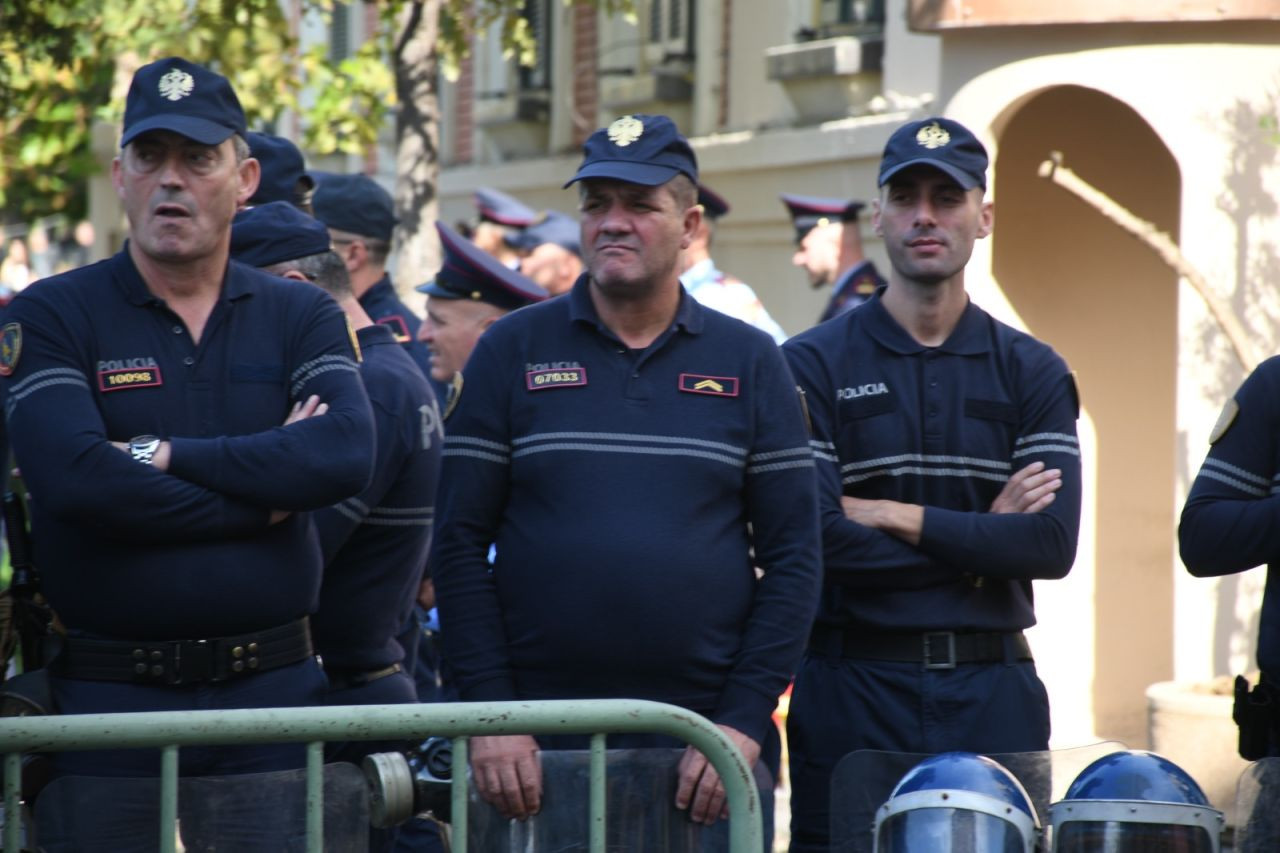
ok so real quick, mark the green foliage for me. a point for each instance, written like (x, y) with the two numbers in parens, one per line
(66, 63)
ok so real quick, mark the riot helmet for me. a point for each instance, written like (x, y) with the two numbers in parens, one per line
(957, 802)
(1134, 802)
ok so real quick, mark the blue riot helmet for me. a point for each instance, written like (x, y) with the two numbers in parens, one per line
(957, 802)
(1131, 802)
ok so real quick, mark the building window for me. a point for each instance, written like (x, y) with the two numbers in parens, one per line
(538, 76)
(340, 33)
(669, 31)
(846, 17)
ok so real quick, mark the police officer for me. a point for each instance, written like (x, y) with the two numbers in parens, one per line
(500, 216)
(713, 288)
(949, 479)
(551, 252)
(829, 250)
(631, 454)
(375, 543)
(282, 172)
(146, 396)
(469, 294)
(361, 218)
(1229, 525)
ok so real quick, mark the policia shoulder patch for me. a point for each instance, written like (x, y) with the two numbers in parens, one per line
(10, 348)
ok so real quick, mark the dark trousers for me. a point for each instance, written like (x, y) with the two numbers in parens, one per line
(119, 818)
(839, 705)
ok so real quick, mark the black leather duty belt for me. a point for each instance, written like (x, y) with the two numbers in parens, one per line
(930, 649)
(185, 661)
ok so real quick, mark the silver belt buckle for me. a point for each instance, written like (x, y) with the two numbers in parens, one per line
(935, 643)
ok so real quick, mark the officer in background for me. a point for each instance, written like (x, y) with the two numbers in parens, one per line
(467, 296)
(375, 543)
(283, 173)
(949, 479)
(498, 217)
(829, 250)
(713, 288)
(551, 252)
(177, 418)
(633, 455)
(361, 218)
(1229, 525)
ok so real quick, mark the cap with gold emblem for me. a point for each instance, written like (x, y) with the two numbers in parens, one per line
(939, 142)
(470, 273)
(810, 211)
(638, 149)
(188, 99)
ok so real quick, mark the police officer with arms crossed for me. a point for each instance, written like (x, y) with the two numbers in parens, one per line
(629, 452)
(1229, 525)
(949, 479)
(176, 418)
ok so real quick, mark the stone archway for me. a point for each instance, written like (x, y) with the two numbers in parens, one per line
(1109, 306)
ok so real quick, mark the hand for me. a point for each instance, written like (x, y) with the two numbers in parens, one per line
(1029, 490)
(508, 774)
(427, 594)
(699, 787)
(304, 409)
(903, 520)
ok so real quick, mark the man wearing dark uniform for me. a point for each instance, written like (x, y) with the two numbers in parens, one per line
(635, 457)
(361, 219)
(829, 250)
(949, 480)
(1230, 524)
(176, 418)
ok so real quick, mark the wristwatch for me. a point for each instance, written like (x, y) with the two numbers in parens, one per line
(143, 448)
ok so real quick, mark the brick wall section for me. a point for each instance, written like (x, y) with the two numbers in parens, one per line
(586, 92)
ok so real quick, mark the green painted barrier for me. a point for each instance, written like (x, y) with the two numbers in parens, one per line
(171, 730)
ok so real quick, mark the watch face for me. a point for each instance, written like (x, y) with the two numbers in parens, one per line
(144, 447)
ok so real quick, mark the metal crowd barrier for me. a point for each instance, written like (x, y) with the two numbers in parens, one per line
(171, 730)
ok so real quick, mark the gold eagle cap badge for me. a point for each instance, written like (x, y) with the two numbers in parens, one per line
(176, 85)
(625, 131)
(933, 136)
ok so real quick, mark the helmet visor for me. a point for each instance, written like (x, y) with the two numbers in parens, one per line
(936, 830)
(1124, 837)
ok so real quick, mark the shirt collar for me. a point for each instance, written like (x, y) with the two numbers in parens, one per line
(689, 316)
(969, 337)
(236, 280)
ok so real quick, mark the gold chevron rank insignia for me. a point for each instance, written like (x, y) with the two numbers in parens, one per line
(718, 386)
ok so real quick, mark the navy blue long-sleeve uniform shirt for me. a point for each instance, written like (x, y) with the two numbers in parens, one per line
(375, 543)
(943, 427)
(1231, 521)
(127, 550)
(625, 492)
(852, 289)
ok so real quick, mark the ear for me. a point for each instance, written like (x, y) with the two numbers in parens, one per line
(692, 222)
(986, 219)
(875, 217)
(250, 173)
(117, 180)
(294, 274)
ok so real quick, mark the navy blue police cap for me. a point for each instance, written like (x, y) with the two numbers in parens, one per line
(496, 206)
(809, 211)
(638, 149)
(284, 173)
(356, 204)
(270, 233)
(188, 99)
(555, 227)
(938, 142)
(713, 204)
(469, 273)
